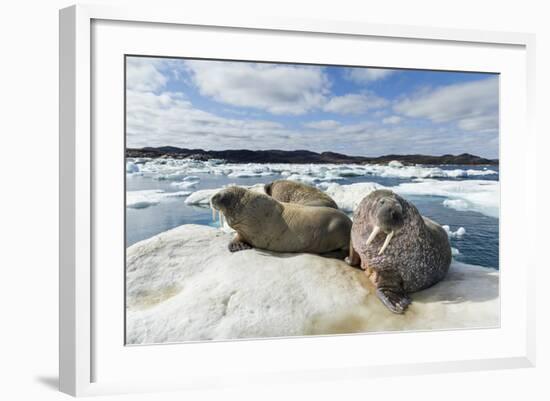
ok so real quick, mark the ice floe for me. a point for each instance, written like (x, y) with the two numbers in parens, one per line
(395, 163)
(454, 234)
(476, 195)
(131, 167)
(176, 169)
(184, 285)
(347, 197)
(457, 204)
(202, 196)
(149, 197)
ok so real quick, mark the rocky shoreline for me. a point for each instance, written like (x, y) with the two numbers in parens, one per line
(301, 156)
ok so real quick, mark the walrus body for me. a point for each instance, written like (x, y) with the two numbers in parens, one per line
(401, 251)
(263, 222)
(295, 192)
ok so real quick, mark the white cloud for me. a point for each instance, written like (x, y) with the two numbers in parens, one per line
(168, 119)
(156, 117)
(276, 88)
(355, 103)
(392, 120)
(143, 74)
(366, 75)
(472, 105)
(322, 124)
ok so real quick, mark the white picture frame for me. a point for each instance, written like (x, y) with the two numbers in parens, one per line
(95, 361)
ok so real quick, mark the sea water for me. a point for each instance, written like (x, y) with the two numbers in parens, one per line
(478, 245)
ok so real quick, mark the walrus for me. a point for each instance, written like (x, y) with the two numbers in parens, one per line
(401, 251)
(263, 222)
(295, 192)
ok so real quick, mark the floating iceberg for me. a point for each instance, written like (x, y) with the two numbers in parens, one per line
(457, 204)
(454, 234)
(184, 285)
(476, 195)
(131, 167)
(150, 197)
(187, 182)
(395, 163)
(202, 197)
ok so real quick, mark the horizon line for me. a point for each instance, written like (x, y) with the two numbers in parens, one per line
(313, 151)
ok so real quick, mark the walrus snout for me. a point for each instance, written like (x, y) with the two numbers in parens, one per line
(390, 217)
(216, 199)
(221, 200)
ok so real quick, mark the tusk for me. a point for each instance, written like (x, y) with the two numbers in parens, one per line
(373, 235)
(222, 219)
(386, 243)
(213, 210)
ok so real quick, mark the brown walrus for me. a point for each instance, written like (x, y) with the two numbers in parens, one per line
(295, 192)
(263, 222)
(401, 251)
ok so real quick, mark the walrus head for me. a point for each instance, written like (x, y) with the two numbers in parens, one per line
(241, 206)
(267, 188)
(386, 213)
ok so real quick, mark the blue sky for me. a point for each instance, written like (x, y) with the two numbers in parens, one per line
(218, 105)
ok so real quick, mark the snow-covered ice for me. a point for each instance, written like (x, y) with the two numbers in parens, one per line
(131, 167)
(454, 234)
(184, 285)
(149, 197)
(457, 204)
(395, 163)
(477, 195)
(187, 182)
(202, 196)
(347, 197)
(176, 169)
(473, 194)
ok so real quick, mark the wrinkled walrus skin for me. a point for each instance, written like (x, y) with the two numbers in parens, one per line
(407, 253)
(263, 222)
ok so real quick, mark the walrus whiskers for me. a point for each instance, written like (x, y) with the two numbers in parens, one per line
(386, 243)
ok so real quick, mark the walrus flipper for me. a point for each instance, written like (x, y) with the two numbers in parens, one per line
(397, 302)
(237, 244)
(353, 259)
(390, 291)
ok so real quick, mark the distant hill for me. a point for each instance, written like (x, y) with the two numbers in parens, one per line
(300, 156)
